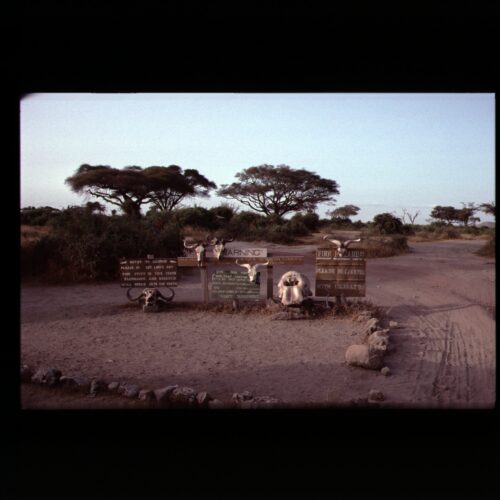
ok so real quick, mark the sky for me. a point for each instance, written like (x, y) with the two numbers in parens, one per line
(387, 152)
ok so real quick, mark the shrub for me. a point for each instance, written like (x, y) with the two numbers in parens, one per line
(84, 245)
(388, 224)
(310, 220)
(196, 216)
(488, 250)
(38, 216)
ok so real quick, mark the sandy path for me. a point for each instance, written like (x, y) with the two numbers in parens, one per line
(441, 294)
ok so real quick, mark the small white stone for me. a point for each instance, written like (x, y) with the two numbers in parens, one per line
(385, 371)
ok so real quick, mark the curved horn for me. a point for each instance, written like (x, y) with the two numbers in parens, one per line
(335, 242)
(189, 246)
(213, 241)
(348, 242)
(248, 266)
(131, 298)
(169, 298)
(261, 264)
(228, 240)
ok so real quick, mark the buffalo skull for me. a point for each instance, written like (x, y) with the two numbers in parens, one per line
(151, 299)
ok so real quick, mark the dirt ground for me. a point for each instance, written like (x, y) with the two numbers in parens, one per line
(441, 294)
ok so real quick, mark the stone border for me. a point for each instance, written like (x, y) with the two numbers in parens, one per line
(172, 396)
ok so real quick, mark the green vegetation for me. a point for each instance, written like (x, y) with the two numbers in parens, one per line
(84, 243)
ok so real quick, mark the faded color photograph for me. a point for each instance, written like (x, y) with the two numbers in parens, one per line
(242, 251)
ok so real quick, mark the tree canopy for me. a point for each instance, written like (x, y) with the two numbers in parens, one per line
(488, 208)
(345, 212)
(131, 187)
(279, 190)
(450, 214)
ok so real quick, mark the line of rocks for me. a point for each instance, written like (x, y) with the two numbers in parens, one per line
(172, 396)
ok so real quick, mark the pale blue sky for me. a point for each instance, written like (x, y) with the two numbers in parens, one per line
(386, 151)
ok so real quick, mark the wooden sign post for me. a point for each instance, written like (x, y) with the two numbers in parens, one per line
(340, 276)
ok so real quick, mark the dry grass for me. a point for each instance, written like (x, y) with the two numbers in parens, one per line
(31, 234)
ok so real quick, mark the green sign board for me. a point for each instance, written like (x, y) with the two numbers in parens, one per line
(228, 285)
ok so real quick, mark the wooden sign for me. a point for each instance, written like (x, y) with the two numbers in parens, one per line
(151, 272)
(334, 288)
(340, 275)
(228, 285)
(285, 260)
(328, 253)
(233, 253)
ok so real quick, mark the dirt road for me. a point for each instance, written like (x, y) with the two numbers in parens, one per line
(441, 294)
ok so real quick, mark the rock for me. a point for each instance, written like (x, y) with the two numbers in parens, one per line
(46, 376)
(386, 371)
(131, 390)
(363, 316)
(266, 402)
(365, 356)
(371, 325)
(203, 399)
(162, 395)
(113, 386)
(146, 395)
(96, 386)
(379, 338)
(183, 396)
(74, 383)
(374, 395)
(26, 373)
(393, 324)
(216, 404)
(243, 396)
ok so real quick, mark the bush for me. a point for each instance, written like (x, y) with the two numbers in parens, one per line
(388, 224)
(385, 247)
(488, 250)
(84, 245)
(40, 216)
(310, 220)
(196, 216)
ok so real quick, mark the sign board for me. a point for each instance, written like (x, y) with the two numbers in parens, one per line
(329, 253)
(149, 272)
(228, 285)
(233, 253)
(340, 275)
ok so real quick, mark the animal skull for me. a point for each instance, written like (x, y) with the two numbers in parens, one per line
(253, 275)
(151, 299)
(200, 249)
(342, 246)
(293, 288)
(219, 245)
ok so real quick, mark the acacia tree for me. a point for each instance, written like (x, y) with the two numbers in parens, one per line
(170, 185)
(125, 188)
(447, 214)
(488, 208)
(344, 212)
(276, 191)
(132, 187)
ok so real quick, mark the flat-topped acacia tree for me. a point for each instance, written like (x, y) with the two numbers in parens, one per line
(276, 191)
(131, 187)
